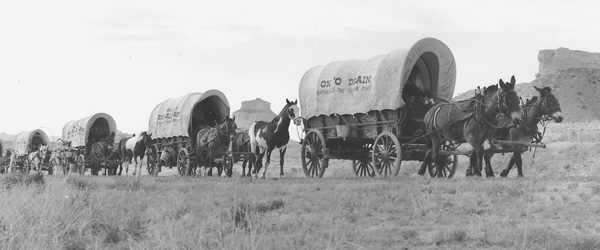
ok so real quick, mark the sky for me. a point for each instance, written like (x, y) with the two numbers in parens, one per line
(66, 60)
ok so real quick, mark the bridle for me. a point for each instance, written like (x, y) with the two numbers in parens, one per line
(542, 103)
(501, 104)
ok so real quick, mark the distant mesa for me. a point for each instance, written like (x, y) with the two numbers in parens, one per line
(565, 59)
(574, 77)
(251, 111)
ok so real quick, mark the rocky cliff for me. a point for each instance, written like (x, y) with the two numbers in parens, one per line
(574, 77)
(564, 59)
(251, 111)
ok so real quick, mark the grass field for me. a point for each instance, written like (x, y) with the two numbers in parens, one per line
(556, 206)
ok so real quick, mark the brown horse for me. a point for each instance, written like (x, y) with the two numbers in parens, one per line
(101, 151)
(471, 121)
(544, 107)
(114, 161)
(213, 143)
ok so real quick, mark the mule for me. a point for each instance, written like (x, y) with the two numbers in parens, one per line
(241, 145)
(267, 136)
(471, 121)
(213, 143)
(36, 158)
(6, 161)
(133, 148)
(540, 108)
(114, 161)
(100, 149)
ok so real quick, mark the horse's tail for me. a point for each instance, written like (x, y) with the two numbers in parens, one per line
(252, 135)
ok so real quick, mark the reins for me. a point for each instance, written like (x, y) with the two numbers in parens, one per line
(480, 105)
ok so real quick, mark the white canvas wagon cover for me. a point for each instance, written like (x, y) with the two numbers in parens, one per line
(177, 116)
(358, 86)
(78, 131)
(28, 141)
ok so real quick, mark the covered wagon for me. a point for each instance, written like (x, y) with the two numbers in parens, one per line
(78, 138)
(371, 111)
(174, 124)
(27, 142)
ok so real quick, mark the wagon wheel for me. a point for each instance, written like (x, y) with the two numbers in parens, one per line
(152, 162)
(387, 154)
(80, 163)
(314, 154)
(363, 168)
(449, 163)
(182, 161)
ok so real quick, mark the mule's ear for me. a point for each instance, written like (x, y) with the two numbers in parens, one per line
(538, 89)
(502, 84)
(296, 102)
(233, 119)
(512, 80)
(288, 101)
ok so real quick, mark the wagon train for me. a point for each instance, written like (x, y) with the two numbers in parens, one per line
(191, 131)
(32, 152)
(371, 111)
(87, 143)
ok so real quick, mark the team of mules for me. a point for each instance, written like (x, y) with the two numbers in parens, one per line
(542, 108)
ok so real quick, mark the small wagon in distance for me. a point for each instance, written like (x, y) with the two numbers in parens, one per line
(87, 143)
(33, 152)
(174, 125)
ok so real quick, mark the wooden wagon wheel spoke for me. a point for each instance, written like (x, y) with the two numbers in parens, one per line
(313, 154)
(386, 154)
(363, 168)
(182, 161)
(449, 162)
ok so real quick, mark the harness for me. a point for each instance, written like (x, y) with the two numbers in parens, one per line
(219, 138)
(534, 132)
(478, 106)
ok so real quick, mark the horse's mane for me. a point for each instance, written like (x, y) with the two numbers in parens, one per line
(282, 112)
(139, 135)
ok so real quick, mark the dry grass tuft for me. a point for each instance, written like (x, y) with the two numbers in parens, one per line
(13, 180)
(81, 183)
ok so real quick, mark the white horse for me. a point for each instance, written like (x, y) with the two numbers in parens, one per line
(36, 158)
